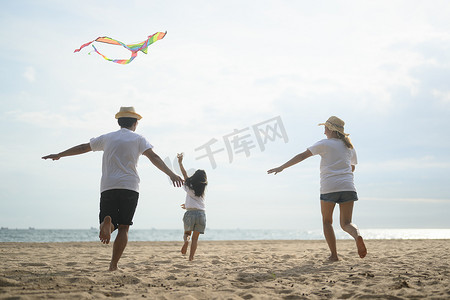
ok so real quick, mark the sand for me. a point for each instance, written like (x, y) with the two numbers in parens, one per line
(393, 269)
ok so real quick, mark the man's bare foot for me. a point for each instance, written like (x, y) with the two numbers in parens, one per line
(333, 258)
(191, 258)
(362, 251)
(105, 230)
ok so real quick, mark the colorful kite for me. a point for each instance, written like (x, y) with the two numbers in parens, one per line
(134, 48)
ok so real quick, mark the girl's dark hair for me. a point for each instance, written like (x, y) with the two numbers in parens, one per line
(126, 122)
(197, 183)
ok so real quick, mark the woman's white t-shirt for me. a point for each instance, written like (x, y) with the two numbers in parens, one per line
(121, 152)
(335, 165)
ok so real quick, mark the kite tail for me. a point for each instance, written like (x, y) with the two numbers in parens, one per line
(82, 46)
(118, 61)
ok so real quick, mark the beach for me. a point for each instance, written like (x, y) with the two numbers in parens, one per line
(296, 269)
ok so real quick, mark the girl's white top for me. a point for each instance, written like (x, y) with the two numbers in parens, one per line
(192, 201)
(335, 165)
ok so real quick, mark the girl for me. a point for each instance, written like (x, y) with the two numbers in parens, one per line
(337, 164)
(194, 218)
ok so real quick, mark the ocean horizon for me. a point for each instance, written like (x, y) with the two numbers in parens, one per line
(88, 235)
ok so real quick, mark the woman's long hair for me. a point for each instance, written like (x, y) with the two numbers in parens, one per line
(197, 183)
(345, 139)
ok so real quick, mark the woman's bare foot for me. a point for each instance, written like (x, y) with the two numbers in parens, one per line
(362, 251)
(113, 267)
(105, 230)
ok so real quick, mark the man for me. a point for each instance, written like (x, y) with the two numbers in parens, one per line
(120, 181)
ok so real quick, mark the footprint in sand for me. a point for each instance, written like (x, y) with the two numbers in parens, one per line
(80, 281)
(32, 264)
(181, 266)
(8, 282)
(162, 262)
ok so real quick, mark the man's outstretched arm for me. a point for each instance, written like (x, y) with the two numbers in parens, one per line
(159, 163)
(80, 149)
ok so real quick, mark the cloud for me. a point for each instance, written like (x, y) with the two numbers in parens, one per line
(442, 96)
(221, 69)
(30, 74)
(410, 200)
(46, 119)
(407, 164)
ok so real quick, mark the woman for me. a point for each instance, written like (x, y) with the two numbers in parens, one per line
(337, 164)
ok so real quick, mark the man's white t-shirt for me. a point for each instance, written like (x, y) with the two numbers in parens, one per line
(121, 152)
(193, 201)
(335, 165)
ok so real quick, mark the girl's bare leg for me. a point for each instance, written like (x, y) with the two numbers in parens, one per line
(327, 222)
(346, 212)
(195, 236)
(186, 237)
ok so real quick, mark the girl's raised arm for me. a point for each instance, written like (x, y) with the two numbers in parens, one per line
(180, 163)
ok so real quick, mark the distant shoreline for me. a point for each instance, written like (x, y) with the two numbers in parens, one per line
(86, 235)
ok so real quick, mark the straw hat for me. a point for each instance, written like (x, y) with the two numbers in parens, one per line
(128, 112)
(335, 124)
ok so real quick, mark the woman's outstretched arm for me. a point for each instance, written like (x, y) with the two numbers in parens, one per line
(295, 160)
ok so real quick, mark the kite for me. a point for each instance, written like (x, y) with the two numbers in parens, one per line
(134, 48)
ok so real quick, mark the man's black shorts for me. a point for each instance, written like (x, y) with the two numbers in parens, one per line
(120, 205)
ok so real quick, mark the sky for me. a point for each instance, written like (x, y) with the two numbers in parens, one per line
(247, 80)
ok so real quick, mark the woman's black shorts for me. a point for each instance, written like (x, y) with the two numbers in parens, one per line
(339, 197)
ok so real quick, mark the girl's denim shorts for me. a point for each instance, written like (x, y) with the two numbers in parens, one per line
(195, 220)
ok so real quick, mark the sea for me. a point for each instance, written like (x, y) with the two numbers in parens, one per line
(88, 235)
